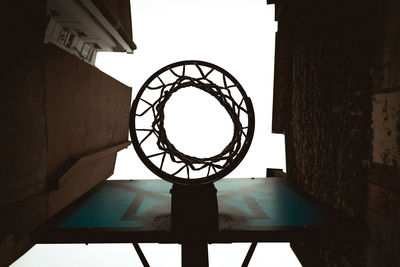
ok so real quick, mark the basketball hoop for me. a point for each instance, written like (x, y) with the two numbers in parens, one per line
(149, 137)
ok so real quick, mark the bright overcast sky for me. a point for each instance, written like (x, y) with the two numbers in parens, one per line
(238, 36)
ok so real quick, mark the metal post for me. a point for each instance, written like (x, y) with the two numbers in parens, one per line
(194, 254)
(249, 254)
(141, 255)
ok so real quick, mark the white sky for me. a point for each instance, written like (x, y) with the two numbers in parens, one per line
(237, 35)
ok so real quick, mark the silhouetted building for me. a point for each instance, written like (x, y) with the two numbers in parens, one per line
(63, 120)
(337, 100)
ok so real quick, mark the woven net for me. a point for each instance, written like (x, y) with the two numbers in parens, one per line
(149, 136)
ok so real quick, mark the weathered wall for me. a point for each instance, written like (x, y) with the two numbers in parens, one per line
(87, 111)
(337, 100)
(383, 215)
(325, 111)
(22, 136)
(55, 109)
(329, 137)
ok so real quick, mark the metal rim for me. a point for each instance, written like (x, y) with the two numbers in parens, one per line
(232, 159)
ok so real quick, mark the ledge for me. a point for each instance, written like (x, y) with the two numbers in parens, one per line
(86, 159)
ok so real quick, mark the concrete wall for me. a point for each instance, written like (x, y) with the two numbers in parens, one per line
(383, 214)
(336, 98)
(23, 134)
(87, 112)
(62, 123)
(325, 110)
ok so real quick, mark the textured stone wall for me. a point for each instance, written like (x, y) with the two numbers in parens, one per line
(337, 99)
(329, 137)
(327, 103)
(383, 213)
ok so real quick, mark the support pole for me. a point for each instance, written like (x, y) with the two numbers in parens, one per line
(194, 254)
(249, 254)
(141, 255)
